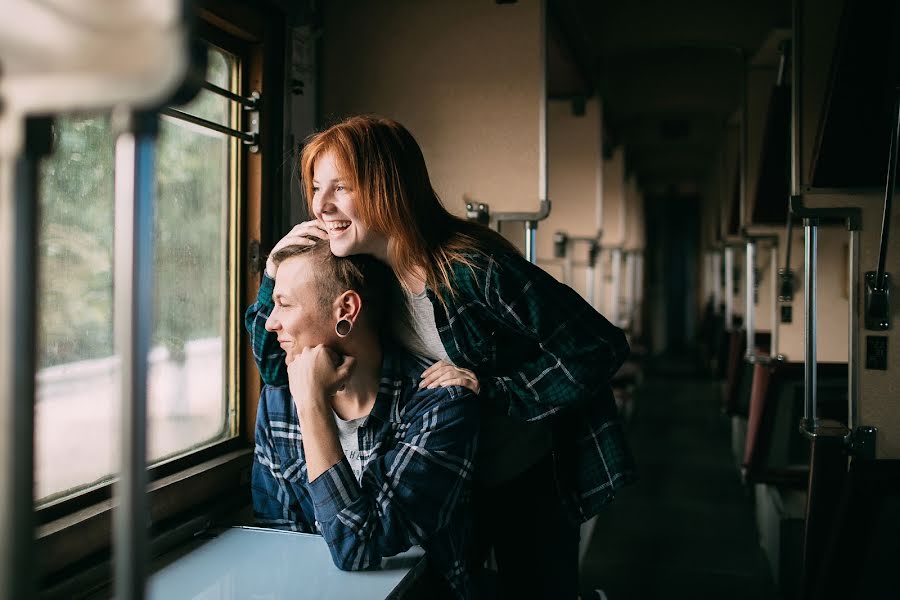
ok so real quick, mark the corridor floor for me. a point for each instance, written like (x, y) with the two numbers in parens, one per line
(686, 530)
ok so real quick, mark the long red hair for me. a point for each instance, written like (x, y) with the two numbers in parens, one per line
(394, 197)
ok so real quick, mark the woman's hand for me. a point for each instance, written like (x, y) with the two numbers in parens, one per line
(317, 373)
(443, 374)
(296, 236)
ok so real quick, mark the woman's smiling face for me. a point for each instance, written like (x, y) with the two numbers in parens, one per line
(334, 205)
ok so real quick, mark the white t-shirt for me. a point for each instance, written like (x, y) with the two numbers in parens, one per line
(348, 433)
(506, 446)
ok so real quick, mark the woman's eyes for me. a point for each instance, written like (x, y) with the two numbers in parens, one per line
(338, 188)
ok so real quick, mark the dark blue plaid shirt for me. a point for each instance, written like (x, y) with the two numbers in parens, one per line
(539, 351)
(417, 449)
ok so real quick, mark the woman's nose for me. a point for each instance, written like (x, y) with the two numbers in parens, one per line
(271, 322)
(322, 203)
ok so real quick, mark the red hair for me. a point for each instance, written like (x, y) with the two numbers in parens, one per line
(394, 197)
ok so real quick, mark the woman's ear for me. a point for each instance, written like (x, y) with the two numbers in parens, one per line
(347, 306)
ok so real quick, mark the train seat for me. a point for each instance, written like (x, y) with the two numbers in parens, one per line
(776, 457)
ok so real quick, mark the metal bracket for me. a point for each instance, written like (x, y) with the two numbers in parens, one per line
(851, 215)
(253, 123)
(862, 442)
(479, 212)
(878, 303)
(560, 244)
(786, 285)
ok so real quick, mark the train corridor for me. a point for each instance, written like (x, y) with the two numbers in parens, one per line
(686, 529)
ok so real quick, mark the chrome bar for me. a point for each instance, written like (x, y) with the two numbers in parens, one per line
(796, 98)
(135, 186)
(888, 198)
(616, 257)
(810, 423)
(18, 319)
(248, 138)
(729, 288)
(637, 328)
(251, 102)
(543, 189)
(589, 284)
(717, 280)
(630, 287)
(749, 307)
(853, 363)
(745, 137)
(773, 293)
(531, 241)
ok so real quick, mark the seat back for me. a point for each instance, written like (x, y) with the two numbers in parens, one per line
(775, 450)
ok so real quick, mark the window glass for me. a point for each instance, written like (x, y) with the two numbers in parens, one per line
(78, 401)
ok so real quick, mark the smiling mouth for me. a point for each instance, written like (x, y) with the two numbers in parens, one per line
(337, 226)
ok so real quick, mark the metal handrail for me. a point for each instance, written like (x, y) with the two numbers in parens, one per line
(481, 212)
(251, 102)
(133, 306)
(750, 316)
(249, 138)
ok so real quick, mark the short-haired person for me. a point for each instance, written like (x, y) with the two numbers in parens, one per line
(551, 449)
(348, 446)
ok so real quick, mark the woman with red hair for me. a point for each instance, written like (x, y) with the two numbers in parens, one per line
(540, 358)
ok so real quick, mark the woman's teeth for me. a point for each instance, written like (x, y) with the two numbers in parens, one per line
(338, 225)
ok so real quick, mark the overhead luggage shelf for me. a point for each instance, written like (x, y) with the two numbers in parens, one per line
(852, 139)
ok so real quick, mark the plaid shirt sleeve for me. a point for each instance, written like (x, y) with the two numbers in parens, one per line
(267, 352)
(408, 494)
(576, 350)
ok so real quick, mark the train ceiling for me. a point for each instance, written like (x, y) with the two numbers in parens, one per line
(669, 73)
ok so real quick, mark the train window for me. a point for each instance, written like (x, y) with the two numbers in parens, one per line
(192, 399)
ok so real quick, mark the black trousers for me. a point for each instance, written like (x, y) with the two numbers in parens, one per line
(535, 542)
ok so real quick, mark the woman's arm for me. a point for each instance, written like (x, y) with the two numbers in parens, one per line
(267, 352)
(575, 350)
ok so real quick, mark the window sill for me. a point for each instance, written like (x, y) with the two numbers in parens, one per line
(81, 540)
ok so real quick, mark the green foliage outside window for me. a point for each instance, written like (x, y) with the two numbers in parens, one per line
(76, 241)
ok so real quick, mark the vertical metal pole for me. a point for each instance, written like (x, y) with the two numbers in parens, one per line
(531, 241)
(135, 186)
(796, 97)
(629, 287)
(853, 356)
(749, 307)
(639, 293)
(745, 124)
(773, 278)
(616, 285)
(729, 288)
(543, 192)
(717, 280)
(18, 327)
(589, 284)
(809, 376)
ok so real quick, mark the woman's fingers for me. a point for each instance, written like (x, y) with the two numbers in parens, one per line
(443, 375)
(433, 372)
(298, 235)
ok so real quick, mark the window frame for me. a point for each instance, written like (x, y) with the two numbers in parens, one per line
(189, 492)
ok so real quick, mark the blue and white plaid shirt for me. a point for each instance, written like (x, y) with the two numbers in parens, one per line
(417, 449)
(540, 353)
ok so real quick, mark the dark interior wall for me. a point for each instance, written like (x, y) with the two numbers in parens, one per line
(673, 222)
